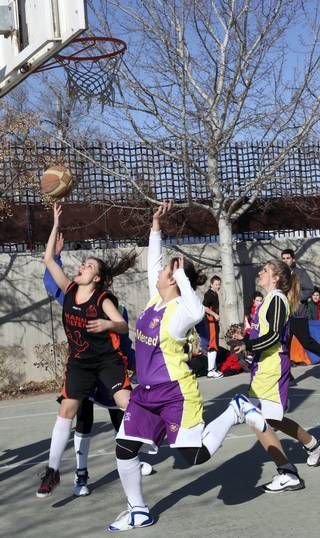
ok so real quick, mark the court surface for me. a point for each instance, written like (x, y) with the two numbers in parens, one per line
(221, 498)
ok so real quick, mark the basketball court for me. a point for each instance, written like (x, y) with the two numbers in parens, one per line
(221, 498)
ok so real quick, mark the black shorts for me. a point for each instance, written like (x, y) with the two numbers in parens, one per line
(82, 376)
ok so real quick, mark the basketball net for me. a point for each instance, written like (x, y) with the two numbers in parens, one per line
(91, 71)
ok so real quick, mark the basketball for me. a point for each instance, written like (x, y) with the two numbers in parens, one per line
(56, 182)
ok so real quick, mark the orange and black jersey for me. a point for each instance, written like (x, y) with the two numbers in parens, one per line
(83, 344)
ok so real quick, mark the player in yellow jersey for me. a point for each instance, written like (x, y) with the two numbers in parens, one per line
(270, 372)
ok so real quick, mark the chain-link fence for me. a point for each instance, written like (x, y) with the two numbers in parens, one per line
(105, 208)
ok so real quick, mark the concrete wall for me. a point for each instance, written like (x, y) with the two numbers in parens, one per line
(28, 318)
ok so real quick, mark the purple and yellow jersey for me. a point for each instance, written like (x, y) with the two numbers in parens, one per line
(161, 358)
(271, 367)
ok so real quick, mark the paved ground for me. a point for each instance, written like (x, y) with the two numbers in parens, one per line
(221, 498)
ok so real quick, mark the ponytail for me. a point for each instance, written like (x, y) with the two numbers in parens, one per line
(288, 283)
(294, 293)
(114, 266)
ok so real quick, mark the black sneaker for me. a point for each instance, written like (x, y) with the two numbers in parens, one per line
(80, 486)
(49, 480)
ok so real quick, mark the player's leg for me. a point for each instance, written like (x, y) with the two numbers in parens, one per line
(77, 385)
(140, 425)
(287, 478)
(213, 372)
(82, 438)
(59, 441)
(137, 513)
(294, 430)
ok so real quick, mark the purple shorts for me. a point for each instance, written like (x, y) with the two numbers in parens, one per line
(159, 411)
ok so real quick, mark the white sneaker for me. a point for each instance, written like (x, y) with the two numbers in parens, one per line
(80, 486)
(248, 413)
(214, 374)
(284, 482)
(133, 518)
(146, 468)
(314, 456)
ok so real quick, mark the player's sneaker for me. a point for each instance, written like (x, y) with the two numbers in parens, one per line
(146, 468)
(248, 413)
(214, 374)
(314, 455)
(284, 481)
(80, 486)
(133, 518)
(49, 480)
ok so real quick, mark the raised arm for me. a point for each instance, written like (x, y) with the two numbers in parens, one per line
(53, 267)
(154, 250)
(50, 285)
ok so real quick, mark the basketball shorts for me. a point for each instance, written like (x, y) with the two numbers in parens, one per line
(82, 376)
(163, 411)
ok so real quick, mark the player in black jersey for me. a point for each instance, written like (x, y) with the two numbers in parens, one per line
(90, 320)
(84, 419)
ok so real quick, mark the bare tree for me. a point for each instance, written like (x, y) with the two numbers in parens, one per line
(207, 73)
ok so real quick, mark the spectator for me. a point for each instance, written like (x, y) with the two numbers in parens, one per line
(306, 286)
(299, 321)
(313, 305)
(257, 301)
(212, 317)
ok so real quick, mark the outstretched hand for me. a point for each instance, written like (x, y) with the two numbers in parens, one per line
(57, 211)
(59, 244)
(162, 210)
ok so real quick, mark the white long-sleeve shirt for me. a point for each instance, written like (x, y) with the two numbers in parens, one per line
(190, 309)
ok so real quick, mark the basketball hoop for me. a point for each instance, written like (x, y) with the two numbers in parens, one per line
(91, 73)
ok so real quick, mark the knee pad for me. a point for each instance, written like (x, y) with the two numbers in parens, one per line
(85, 417)
(195, 456)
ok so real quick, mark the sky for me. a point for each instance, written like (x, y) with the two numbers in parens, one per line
(99, 118)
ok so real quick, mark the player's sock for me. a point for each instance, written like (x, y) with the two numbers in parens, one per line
(130, 476)
(59, 440)
(215, 432)
(311, 444)
(81, 447)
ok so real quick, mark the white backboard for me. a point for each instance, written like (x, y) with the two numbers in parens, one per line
(32, 32)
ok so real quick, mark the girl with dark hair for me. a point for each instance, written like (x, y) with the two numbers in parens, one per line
(92, 324)
(85, 413)
(256, 302)
(270, 372)
(167, 401)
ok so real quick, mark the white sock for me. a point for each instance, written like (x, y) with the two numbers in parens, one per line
(311, 444)
(81, 448)
(59, 441)
(216, 431)
(212, 358)
(130, 476)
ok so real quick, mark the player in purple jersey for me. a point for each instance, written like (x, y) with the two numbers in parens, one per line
(92, 324)
(270, 373)
(167, 401)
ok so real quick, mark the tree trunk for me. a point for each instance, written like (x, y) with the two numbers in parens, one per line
(230, 306)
